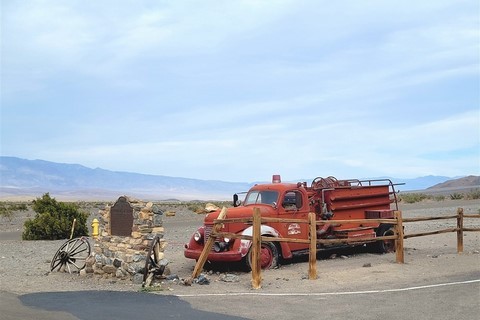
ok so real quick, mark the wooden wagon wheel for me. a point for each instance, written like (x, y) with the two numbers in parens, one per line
(71, 256)
(153, 267)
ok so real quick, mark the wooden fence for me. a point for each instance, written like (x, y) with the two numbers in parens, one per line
(312, 240)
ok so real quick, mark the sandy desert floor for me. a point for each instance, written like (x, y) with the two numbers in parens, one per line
(24, 265)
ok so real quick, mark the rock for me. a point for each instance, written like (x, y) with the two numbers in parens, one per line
(156, 210)
(163, 262)
(186, 282)
(98, 259)
(120, 273)
(172, 277)
(109, 269)
(229, 277)
(136, 234)
(136, 267)
(144, 229)
(120, 256)
(117, 263)
(98, 271)
(367, 265)
(157, 219)
(202, 280)
(137, 278)
(144, 215)
(158, 230)
(138, 258)
(90, 261)
(97, 249)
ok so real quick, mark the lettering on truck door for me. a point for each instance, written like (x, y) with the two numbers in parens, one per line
(292, 206)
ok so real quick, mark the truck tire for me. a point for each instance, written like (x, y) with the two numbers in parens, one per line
(268, 256)
(383, 246)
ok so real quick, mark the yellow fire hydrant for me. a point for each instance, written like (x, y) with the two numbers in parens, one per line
(95, 228)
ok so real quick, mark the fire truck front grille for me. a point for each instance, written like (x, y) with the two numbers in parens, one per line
(208, 231)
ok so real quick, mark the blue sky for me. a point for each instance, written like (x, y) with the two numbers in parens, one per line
(241, 90)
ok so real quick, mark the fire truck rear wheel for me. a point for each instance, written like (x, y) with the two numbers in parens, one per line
(384, 246)
(268, 256)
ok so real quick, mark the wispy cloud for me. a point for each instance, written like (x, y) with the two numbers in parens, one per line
(235, 90)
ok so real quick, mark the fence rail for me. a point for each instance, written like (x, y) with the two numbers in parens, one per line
(256, 221)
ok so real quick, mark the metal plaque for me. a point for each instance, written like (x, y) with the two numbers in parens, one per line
(121, 218)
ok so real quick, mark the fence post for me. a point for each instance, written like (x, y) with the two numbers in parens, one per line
(256, 247)
(312, 258)
(73, 228)
(400, 256)
(459, 230)
(208, 246)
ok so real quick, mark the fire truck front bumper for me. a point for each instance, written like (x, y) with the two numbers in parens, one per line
(225, 256)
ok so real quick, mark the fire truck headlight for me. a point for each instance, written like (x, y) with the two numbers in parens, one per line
(197, 236)
(227, 240)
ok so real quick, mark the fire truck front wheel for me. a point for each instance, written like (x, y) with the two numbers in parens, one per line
(268, 256)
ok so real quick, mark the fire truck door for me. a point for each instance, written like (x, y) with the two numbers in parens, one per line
(292, 207)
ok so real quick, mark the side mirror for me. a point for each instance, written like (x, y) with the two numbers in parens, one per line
(235, 200)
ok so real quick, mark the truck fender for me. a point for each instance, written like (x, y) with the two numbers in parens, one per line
(264, 231)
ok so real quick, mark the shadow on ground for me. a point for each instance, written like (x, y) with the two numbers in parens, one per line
(118, 305)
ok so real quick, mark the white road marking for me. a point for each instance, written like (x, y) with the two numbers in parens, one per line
(326, 293)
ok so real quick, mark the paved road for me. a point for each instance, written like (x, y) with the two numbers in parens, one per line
(457, 300)
(105, 305)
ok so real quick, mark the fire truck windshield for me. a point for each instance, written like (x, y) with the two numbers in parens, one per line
(265, 197)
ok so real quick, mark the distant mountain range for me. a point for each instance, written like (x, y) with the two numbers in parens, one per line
(21, 177)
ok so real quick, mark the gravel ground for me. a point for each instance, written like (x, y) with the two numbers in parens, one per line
(24, 265)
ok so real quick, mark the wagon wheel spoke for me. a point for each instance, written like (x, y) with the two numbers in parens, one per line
(75, 246)
(78, 252)
(55, 265)
(74, 264)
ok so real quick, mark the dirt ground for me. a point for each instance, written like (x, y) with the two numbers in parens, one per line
(24, 265)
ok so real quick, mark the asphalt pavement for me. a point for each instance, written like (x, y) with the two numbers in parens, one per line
(105, 305)
(442, 301)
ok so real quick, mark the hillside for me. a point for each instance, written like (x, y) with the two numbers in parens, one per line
(460, 183)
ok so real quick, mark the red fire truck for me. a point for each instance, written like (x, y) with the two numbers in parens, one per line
(329, 198)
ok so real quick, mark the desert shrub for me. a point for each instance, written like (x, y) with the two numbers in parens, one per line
(439, 198)
(456, 196)
(54, 220)
(413, 197)
(473, 195)
(196, 207)
(7, 209)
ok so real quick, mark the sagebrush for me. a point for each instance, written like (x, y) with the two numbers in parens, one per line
(54, 220)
